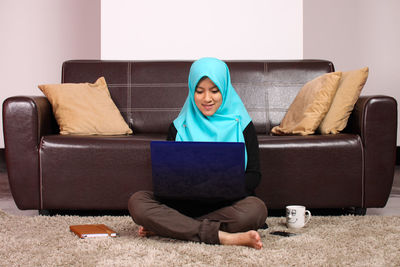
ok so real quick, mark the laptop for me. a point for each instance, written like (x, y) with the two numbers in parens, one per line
(200, 171)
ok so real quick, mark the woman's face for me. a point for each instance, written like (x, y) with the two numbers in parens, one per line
(207, 97)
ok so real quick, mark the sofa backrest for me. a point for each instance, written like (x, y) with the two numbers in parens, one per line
(150, 94)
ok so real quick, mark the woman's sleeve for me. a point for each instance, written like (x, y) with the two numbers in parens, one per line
(253, 174)
(172, 133)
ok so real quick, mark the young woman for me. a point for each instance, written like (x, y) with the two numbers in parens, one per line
(212, 112)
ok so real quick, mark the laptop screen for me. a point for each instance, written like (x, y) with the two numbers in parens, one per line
(205, 171)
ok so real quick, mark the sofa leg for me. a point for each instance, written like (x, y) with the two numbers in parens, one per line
(45, 212)
(355, 211)
(360, 211)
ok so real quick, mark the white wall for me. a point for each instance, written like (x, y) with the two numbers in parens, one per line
(37, 36)
(181, 29)
(354, 34)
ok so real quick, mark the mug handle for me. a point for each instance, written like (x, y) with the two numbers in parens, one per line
(308, 216)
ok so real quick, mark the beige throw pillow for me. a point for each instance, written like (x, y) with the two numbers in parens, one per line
(349, 90)
(310, 106)
(85, 108)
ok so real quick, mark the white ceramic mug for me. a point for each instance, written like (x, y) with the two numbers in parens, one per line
(297, 216)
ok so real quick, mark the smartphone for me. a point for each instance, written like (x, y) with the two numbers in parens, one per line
(282, 233)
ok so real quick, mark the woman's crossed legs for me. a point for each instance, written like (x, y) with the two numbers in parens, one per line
(230, 225)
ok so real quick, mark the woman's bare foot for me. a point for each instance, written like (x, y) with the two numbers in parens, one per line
(250, 239)
(143, 232)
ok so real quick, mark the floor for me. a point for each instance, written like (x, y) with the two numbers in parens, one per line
(7, 203)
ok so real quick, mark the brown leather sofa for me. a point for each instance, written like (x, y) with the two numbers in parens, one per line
(47, 171)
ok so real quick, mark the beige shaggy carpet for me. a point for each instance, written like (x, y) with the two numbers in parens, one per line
(325, 241)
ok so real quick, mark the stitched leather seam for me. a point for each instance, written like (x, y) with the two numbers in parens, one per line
(178, 109)
(363, 135)
(63, 73)
(129, 95)
(260, 84)
(40, 174)
(154, 109)
(362, 173)
(130, 85)
(38, 146)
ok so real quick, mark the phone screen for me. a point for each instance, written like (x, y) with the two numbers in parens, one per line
(282, 233)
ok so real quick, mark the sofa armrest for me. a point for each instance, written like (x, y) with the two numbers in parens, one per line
(25, 120)
(374, 119)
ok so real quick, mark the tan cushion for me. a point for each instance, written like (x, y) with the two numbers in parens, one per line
(310, 106)
(349, 90)
(85, 108)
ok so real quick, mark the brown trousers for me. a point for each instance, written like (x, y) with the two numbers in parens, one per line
(173, 221)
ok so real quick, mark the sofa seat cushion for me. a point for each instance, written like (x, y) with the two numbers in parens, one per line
(289, 162)
(93, 172)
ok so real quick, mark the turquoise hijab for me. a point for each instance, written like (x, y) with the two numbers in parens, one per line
(227, 123)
